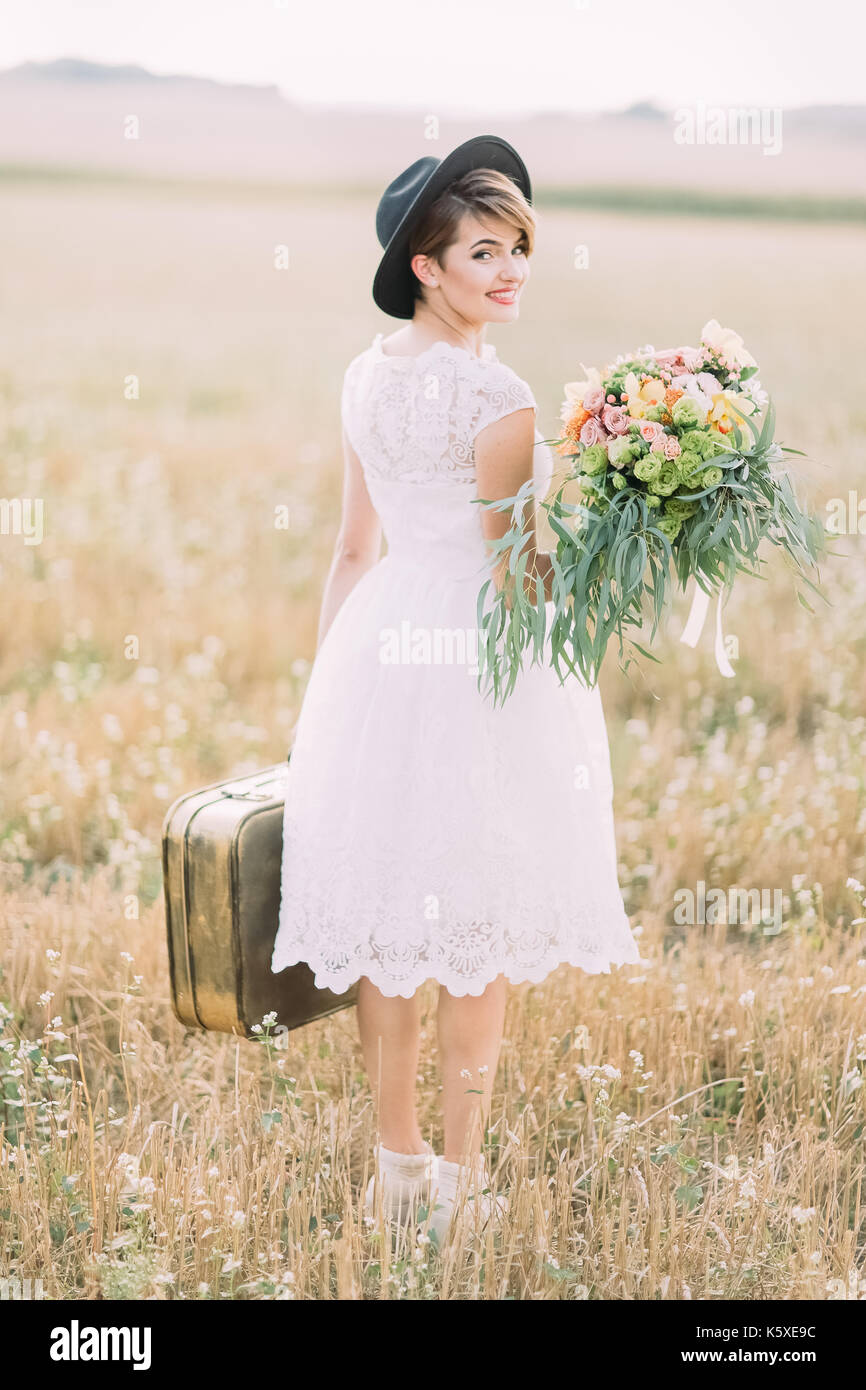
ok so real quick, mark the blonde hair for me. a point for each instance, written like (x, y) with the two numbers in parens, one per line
(480, 192)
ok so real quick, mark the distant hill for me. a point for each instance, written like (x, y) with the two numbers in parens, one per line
(83, 70)
(73, 113)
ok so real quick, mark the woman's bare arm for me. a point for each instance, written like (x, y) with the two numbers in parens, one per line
(503, 462)
(358, 544)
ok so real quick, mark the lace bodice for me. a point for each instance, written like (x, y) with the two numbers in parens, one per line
(416, 418)
(413, 422)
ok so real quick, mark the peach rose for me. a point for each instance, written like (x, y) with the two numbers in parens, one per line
(651, 430)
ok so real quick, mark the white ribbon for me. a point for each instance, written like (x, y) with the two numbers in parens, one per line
(695, 626)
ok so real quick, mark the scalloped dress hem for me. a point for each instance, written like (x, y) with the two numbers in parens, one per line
(338, 982)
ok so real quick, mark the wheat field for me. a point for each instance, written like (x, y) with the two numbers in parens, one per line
(690, 1128)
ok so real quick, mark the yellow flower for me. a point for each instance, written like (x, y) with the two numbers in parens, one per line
(641, 397)
(723, 417)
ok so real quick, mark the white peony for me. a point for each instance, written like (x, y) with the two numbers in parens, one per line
(688, 383)
(709, 383)
(617, 448)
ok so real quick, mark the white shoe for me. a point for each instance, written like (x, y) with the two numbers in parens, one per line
(405, 1180)
(457, 1182)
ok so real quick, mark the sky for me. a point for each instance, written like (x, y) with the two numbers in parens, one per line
(467, 56)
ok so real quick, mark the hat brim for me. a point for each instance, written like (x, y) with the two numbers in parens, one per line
(394, 281)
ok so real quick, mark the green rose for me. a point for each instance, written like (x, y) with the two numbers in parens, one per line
(688, 464)
(652, 500)
(618, 481)
(669, 526)
(685, 413)
(679, 507)
(594, 458)
(649, 468)
(711, 476)
(655, 412)
(698, 442)
(668, 479)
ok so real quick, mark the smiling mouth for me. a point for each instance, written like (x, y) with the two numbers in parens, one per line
(502, 296)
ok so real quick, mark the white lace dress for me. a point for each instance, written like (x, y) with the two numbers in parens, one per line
(426, 833)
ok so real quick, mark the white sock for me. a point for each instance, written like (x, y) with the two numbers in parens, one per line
(410, 1164)
(451, 1179)
(450, 1172)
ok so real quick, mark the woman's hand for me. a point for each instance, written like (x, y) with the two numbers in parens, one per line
(503, 463)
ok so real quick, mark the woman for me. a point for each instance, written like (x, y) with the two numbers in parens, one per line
(428, 834)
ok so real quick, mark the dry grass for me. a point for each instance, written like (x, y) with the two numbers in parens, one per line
(691, 1128)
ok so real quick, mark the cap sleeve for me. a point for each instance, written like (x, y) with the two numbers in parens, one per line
(347, 401)
(500, 392)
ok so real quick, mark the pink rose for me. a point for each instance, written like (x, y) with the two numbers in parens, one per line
(672, 357)
(593, 432)
(692, 360)
(650, 430)
(615, 419)
(593, 400)
(658, 444)
(672, 447)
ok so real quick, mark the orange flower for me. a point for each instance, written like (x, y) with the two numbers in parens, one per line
(672, 395)
(576, 423)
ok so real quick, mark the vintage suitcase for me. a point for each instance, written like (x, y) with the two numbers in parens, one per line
(221, 857)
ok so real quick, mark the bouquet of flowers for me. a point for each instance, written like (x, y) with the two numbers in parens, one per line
(673, 457)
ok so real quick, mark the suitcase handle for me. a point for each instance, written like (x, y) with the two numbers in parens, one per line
(250, 794)
(247, 796)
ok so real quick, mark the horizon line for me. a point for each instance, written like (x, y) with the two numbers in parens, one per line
(453, 112)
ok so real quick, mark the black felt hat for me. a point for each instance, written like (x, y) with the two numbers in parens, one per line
(409, 197)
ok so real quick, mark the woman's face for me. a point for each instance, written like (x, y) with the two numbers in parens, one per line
(482, 273)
